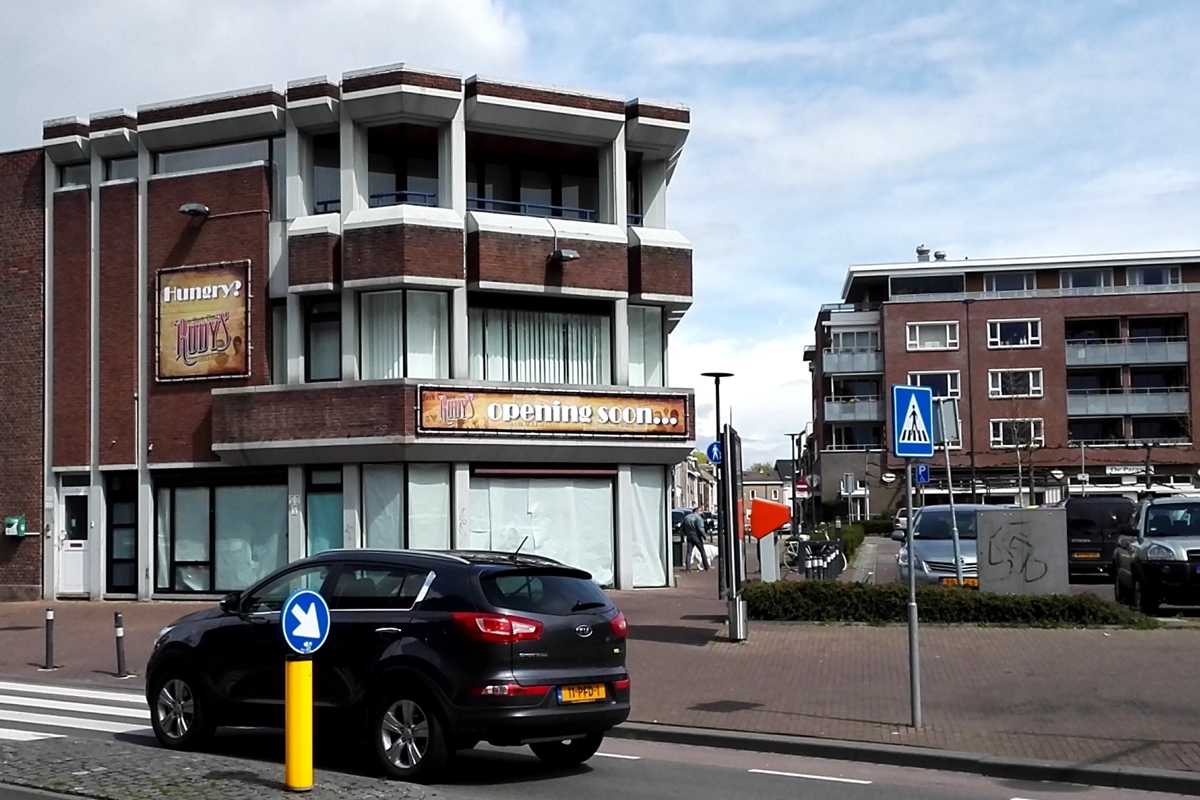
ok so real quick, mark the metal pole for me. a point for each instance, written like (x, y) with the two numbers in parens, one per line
(914, 658)
(119, 624)
(971, 400)
(953, 518)
(298, 728)
(49, 639)
(722, 551)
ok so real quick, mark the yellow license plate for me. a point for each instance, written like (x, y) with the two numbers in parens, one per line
(588, 693)
(1087, 555)
(966, 582)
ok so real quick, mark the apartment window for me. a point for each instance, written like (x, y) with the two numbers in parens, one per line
(71, 176)
(943, 384)
(323, 339)
(223, 155)
(1017, 433)
(324, 500)
(1095, 429)
(1015, 383)
(927, 284)
(1152, 276)
(1163, 429)
(508, 344)
(327, 173)
(933, 336)
(645, 346)
(402, 164)
(278, 341)
(1009, 282)
(1085, 278)
(633, 187)
(121, 169)
(1014, 333)
(533, 178)
(857, 436)
(404, 333)
(866, 341)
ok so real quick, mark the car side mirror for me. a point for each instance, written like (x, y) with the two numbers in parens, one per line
(232, 604)
(899, 535)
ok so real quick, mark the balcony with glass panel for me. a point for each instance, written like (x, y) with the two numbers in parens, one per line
(1127, 401)
(853, 409)
(851, 359)
(1149, 341)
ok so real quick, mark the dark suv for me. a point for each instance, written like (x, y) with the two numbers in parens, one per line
(427, 653)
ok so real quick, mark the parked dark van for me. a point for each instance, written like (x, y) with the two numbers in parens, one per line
(1092, 524)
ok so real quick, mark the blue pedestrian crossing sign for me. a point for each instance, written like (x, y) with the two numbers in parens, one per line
(912, 421)
(922, 473)
(714, 452)
(304, 620)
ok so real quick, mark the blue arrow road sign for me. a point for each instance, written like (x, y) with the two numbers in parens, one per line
(714, 452)
(922, 473)
(304, 620)
(912, 421)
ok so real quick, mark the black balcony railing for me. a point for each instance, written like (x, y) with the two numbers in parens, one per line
(381, 199)
(530, 209)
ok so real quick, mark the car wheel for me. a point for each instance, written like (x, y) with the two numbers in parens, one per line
(179, 714)
(410, 739)
(1145, 602)
(1119, 593)
(568, 753)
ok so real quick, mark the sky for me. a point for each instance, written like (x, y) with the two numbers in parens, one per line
(824, 134)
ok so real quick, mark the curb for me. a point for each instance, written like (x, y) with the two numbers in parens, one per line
(1118, 777)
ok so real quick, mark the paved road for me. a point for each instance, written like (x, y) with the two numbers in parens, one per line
(623, 768)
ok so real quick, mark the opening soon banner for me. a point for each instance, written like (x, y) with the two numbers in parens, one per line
(203, 321)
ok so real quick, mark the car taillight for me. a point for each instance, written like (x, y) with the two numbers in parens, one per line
(497, 628)
(508, 690)
(620, 626)
(621, 684)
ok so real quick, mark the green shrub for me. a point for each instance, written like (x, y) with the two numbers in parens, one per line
(825, 601)
(878, 527)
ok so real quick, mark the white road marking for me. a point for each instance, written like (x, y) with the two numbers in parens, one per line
(79, 708)
(618, 755)
(65, 691)
(809, 777)
(75, 723)
(12, 735)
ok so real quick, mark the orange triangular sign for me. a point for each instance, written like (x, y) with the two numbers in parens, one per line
(767, 517)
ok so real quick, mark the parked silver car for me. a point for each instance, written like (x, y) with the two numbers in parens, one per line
(933, 545)
(1157, 557)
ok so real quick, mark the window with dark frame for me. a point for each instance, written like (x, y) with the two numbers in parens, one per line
(323, 339)
(402, 165)
(533, 178)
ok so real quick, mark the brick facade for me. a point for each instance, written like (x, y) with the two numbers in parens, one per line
(118, 322)
(660, 270)
(313, 259)
(72, 327)
(389, 251)
(180, 412)
(510, 258)
(22, 269)
(315, 412)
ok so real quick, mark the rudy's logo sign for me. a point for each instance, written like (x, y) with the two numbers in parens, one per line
(203, 315)
(533, 413)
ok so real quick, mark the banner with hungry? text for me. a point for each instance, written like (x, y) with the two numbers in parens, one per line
(203, 321)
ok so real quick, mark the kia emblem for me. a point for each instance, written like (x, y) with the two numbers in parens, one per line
(584, 631)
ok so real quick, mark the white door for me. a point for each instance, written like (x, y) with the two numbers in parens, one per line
(73, 543)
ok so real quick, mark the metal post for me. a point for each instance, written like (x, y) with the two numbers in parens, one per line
(49, 640)
(953, 518)
(971, 399)
(119, 624)
(298, 729)
(722, 552)
(914, 658)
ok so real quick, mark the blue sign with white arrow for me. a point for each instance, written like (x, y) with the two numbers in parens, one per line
(304, 620)
(912, 421)
(922, 473)
(714, 452)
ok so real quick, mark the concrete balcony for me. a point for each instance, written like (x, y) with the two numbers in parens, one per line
(851, 360)
(853, 409)
(1175, 401)
(1105, 352)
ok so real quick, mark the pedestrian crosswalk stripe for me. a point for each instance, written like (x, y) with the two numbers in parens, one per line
(74, 723)
(81, 708)
(66, 691)
(914, 431)
(14, 735)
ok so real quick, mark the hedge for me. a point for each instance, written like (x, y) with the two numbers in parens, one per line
(824, 601)
(878, 527)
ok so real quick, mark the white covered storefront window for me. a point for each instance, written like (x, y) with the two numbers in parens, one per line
(648, 520)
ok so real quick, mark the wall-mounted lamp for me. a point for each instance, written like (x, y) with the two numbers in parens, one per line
(194, 209)
(561, 257)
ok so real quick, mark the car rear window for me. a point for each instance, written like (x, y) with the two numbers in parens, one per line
(1098, 516)
(541, 592)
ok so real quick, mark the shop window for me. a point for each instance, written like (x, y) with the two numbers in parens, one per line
(404, 333)
(121, 501)
(219, 538)
(324, 501)
(932, 335)
(539, 346)
(73, 176)
(323, 339)
(429, 506)
(121, 169)
(645, 346)
(424, 491)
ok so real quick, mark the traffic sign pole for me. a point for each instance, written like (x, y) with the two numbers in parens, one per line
(912, 437)
(914, 653)
(298, 728)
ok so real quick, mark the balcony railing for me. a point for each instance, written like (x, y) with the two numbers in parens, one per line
(530, 209)
(1171, 400)
(866, 408)
(380, 200)
(634, 219)
(1148, 350)
(1079, 291)
(851, 359)
(852, 448)
(850, 306)
(1168, 441)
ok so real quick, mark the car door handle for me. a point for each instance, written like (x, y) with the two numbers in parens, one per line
(387, 631)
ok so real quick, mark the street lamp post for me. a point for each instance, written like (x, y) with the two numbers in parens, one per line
(721, 512)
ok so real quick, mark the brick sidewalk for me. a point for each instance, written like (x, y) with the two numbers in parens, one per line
(1082, 696)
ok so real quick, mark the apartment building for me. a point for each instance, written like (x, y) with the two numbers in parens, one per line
(1071, 375)
(398, 310)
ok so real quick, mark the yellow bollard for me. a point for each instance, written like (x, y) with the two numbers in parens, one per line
(298, 728)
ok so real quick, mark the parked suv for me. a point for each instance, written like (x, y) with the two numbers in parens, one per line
(1157, 556)
(427, 653)
(1092, 525)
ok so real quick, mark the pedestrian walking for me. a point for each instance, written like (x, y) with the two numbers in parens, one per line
(693, 534)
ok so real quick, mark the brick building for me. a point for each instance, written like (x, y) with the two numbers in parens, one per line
(399, 310)
(1072, 375)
